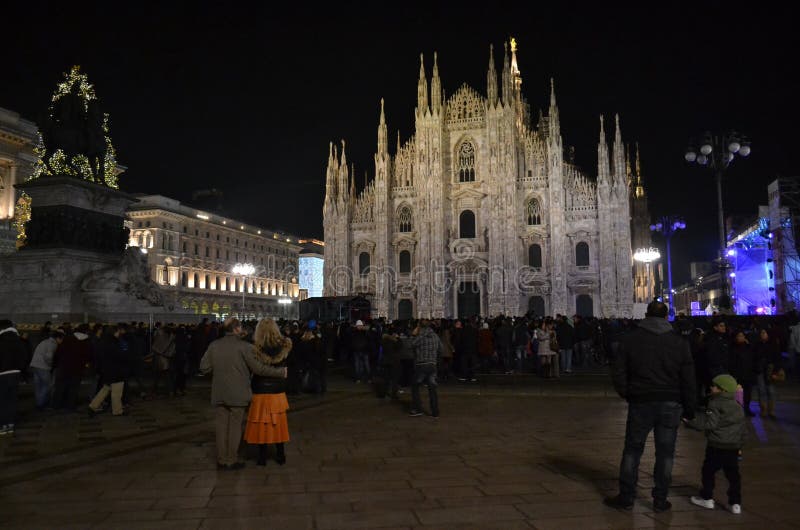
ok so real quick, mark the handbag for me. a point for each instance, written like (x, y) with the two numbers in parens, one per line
(554, 345)
(778, 376)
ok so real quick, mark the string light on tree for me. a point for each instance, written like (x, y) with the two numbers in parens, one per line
(22, 214)
(77, 165)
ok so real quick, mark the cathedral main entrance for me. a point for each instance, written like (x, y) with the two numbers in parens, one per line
(404, 309)
(468, 299)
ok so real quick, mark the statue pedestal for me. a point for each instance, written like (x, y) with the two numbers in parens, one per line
(74, 267)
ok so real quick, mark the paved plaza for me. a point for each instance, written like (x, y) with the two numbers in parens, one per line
(506, 453)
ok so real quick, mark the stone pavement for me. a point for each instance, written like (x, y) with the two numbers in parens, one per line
(506, 453)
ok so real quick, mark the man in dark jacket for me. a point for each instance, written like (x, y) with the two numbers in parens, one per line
(565, 334)
(654, 373)
(717, 349)
(13, 361)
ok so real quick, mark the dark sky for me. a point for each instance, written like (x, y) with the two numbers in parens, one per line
(245, 98)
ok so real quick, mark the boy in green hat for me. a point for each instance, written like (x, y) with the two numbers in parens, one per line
(723, 424)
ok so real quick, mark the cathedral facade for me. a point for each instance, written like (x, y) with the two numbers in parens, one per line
(481, 212)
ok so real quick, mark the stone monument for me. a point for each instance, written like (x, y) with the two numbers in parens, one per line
(74, 264)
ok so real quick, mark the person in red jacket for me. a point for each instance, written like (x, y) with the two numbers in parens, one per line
(69, 362)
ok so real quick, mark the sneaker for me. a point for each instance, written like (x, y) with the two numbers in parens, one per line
(618, 502)
(415, 413)
(703, 503)
(736, 509)
(661, 505)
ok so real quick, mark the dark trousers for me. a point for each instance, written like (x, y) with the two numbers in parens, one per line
(65, 391)
(9, 384)
(425, 373)
(747, 394)
(663, 418)
(728, 461)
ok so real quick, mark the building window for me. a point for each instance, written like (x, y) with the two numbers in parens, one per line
(217, 253)
(466, 224)
(533, 212)
(208, 235)
(196, 232)
(196, 250)
(216, 283)
(363, 263)
(163, 224)
(207, 249)
(208, 282)
(227, 255)
(184, 247)
(535, 256)
(405, 261)
(184, 279)
(139, 224)
(466, 162)
(184, 229)
(227, 284)
(582, 254)
(404, 219)
(217, 237)
(196, 281)
(147, 223)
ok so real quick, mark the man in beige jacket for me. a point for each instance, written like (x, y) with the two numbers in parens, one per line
(232, 361)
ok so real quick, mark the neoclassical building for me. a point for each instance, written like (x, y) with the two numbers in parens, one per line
(191, 255)
(18, 138)
(482, 211)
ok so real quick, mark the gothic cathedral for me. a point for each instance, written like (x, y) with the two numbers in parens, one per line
(480, 213)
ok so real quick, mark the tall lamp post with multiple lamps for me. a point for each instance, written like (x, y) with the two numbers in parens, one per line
(667, 226)
(717, 152)
(245, 270)
(646, 256)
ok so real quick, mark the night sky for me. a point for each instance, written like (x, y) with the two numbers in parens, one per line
(246, 99)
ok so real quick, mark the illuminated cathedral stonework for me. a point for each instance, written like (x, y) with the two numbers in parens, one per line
(481, 212)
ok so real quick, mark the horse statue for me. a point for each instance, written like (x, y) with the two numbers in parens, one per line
(75, 128)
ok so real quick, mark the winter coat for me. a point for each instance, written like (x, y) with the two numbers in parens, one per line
(722, 421)
(276, 357)
(717, 354)
(742, 364)
(72, 355)
(565, 335)
(13, 352)
(467, 345)
(43, 354)
(232, 360)
(485, 343)
(767, 354)
(117, 364)
(654, 364)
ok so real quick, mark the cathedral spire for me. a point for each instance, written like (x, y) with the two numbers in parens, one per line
(628, 172)
(618, 153)
(353, 182)
(422, 88)
(491, 79)
(603, 172)
(344, 176)
(436, 88)
(515, 73)
(639, 190)
(398, 142)
(330, 176)
(506, 80)
(555, 125)
(383, 144)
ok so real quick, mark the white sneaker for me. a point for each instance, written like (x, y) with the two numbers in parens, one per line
(736, 509)
(704, 503)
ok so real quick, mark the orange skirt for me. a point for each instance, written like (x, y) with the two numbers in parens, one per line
(266, 420)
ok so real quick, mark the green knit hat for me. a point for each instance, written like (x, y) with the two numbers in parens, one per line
(725, 382)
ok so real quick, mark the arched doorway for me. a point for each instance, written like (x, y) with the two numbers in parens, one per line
(584, 305)
(468, 299)
(536, 306)
(405, 309)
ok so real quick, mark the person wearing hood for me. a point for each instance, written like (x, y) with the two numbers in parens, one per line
(70, 361)
(13, 360)
(427, 351)
(654, 372)
(723, 425)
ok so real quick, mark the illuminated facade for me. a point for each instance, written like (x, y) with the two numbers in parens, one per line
(191, 255)
(311, 267)
(18, 138)
(483, 211)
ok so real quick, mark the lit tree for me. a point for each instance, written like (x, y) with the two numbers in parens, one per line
(22, 214)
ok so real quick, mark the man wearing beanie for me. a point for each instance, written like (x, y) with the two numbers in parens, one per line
(723, 424)
(654, 372)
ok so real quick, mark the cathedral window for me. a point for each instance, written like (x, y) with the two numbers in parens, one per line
(405, 261)
(404, 219)
(535, 256)
(363, 263)
(582, 254)
(466, 225)
(466, 162)
(533, 212)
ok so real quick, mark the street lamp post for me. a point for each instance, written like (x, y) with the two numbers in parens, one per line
(667, 226)
(646, 256)
(245, 270)
(717, 153)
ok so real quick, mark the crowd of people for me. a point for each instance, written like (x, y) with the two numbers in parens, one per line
(255, 364)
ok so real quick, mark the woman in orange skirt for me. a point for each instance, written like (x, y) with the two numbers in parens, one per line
(266, 420)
